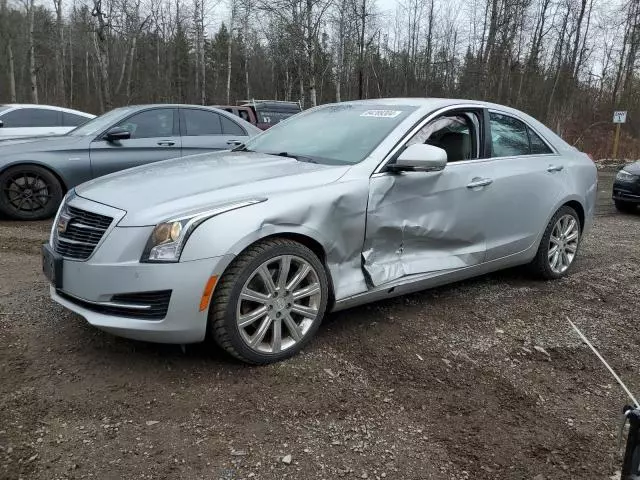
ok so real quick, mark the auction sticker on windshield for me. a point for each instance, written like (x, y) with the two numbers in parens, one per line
(381, 113)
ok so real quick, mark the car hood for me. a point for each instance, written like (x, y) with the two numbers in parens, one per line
(633, 168)
(37, 144)
(156, 192)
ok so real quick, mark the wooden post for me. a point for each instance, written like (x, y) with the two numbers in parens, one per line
(616, 140)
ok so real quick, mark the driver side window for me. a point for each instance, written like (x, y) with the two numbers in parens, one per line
(150, 123)
(455, 134)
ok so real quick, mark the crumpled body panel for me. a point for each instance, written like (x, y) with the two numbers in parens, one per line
(418, 223)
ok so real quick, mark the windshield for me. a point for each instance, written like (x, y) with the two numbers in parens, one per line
(335, 134)
(98, 124)
(3, 108)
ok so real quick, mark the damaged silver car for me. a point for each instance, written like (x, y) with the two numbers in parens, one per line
(338, 206)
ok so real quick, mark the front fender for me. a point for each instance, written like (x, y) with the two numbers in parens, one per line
(333, 215)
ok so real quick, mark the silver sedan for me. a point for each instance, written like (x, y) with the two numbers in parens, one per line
(338, 206)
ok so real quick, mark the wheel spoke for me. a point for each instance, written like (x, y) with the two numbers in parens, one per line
(292, 326)
(19, 207)
(554, 260)
(565, 259)
(283, 274)
(306, 291)
(276, 342)
(302, 273)
(267, 279)
(308, 312)
(253, 296)
(571, 248)
(553, 250)
(555, 240)
(572, 236)
(251, 317)
(261, 332)
(571, 223)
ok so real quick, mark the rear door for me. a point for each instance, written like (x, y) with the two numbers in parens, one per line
(528, 178)
(23, 122)
(154, 137)
(206, 131)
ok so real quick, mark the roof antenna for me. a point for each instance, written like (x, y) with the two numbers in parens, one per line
(624, 387)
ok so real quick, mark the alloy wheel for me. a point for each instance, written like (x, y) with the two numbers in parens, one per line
(278, 304)
(563, 243)
(27, 192)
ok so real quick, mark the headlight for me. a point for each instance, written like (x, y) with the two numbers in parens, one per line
(168, 238)
(626, 176)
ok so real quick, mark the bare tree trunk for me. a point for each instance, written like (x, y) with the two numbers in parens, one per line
(311, 55)
(246, 47)
(60, 93)
(229, 51)
(203, 65)
(32, 55)
(87, 75)
(12, 74)
(132, 56)
(70, 71)
(102, 53)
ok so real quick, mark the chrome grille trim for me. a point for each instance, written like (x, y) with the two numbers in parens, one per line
(77, 232)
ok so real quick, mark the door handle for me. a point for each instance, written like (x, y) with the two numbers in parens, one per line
(234, 142)
(481, 182)
(554, 168)
(166, 143)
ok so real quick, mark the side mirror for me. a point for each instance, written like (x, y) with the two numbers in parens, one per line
(117, 133)
(420, 157)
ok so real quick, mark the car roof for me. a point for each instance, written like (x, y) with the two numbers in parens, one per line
(17, 106)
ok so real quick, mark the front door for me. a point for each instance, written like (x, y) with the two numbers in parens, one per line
(154, 137)
(431, 222)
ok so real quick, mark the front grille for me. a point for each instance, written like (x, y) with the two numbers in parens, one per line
(158, 303)
(83, 232)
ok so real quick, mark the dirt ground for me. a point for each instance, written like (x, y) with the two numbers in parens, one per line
(444, 384)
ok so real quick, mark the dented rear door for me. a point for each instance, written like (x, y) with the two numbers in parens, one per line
(426, 222)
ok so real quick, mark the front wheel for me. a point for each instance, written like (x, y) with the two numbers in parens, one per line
(269, 302)
(29, 192)
(559, 245)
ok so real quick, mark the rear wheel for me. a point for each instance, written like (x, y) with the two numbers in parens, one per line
(269, 302)
(625, 207)
(29, 192)
(559, 245)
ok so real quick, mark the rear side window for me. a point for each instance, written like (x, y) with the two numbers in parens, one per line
(508, 136)
(538, 147)
(200, 123)
(31, 117)
(229, 127)
(72, 120)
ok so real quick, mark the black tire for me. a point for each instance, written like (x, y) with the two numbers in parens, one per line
(29, 192)
(540, 265)
(625, 207)
(223, 327)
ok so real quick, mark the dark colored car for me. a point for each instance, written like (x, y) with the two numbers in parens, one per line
(35, 173)
(263, 113)
(626, 188)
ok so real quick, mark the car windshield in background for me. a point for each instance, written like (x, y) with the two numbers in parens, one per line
(98, 124)
(335, 134)
(273, 117)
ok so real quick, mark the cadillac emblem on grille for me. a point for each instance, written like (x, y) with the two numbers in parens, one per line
(63, 223)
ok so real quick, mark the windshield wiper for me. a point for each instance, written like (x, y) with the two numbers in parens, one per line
(300, 158)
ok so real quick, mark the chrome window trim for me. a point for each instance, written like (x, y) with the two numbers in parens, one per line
(462, 106)
(554, 151)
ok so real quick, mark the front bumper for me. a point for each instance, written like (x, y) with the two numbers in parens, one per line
(626, 191)
(85, 285)
(113, 275)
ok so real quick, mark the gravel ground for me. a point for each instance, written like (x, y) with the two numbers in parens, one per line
(483, 379)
